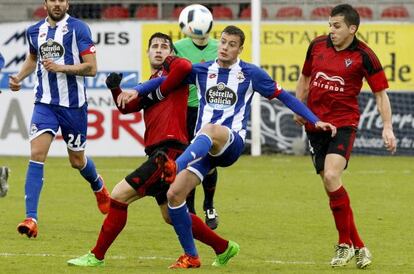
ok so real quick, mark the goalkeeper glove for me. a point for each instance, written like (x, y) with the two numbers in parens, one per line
(113, 80)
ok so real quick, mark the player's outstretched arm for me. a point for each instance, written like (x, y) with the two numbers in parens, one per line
(299, 108)
(302, 90)
(29, 66)
(384, 108)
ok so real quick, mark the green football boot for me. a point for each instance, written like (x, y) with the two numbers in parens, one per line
(222, 259)
(86, 260)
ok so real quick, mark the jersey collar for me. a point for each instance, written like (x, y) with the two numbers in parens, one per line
(352, 46)
(61, 22)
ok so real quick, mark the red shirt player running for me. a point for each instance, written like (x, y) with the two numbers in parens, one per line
(331, 80)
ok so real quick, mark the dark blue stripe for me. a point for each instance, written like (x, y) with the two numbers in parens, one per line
(241, 93)
(222, 77)
(39, 90)
(70, 79)
(54, 90)
(202, 79)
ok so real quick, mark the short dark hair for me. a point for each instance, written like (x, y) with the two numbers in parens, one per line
(233, 30)
(351, 16)
(162, 36)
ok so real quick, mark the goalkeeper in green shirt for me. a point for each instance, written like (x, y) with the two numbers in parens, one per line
(199, 50)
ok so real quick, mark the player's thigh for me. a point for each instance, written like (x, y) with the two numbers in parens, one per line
(123, 192)
(73, 124)
(184, 182)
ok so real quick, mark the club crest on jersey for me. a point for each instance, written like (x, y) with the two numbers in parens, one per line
(240, 76)
(221, 96)
(348, 62)
(51, 50)
(65, 29)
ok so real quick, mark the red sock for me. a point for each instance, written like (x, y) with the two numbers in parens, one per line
(356, 240)
(339, 203)
(207, 236)
(114, 223)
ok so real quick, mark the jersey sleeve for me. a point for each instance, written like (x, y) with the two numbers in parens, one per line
(84, 39)
(264, 84)
(373, 71)
(32, 48)
(307, 66)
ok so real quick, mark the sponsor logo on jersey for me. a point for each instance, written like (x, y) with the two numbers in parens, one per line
(51, 50)
(221, 96)
(332, 83)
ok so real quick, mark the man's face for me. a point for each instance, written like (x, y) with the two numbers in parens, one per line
(339, 32)
(56, 9)
(158, 51)
(229, 48)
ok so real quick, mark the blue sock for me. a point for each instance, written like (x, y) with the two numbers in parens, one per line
(33, 187)
(182, 225)
(89, 173)
(198, 149)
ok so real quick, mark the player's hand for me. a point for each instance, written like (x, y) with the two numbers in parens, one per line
(14, 83)
(113, 80)
(389, 140)
(299, 120)
(51, 66)
(168, 61)
(125, 97)
(325, 127)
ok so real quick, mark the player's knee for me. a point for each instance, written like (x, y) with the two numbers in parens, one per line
(330, 177)
(173, 196)
(77, 163)
(38, 155)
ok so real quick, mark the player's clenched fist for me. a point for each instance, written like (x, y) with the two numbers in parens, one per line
(113, 80)
(14, 83)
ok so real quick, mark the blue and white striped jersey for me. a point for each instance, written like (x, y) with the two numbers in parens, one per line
(225, 94)
(65, 44)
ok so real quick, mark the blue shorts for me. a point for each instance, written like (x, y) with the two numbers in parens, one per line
(228, 156)
(73, 123)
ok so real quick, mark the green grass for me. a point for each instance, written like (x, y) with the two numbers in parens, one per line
(273, 206)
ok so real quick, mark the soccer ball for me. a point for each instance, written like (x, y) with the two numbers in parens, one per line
(195, 21)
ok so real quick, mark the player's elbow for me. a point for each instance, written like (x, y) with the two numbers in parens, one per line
(186, 66)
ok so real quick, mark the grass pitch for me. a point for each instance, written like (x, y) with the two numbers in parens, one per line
(273, 206)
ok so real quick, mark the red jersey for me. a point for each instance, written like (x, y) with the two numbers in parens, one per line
(167, 119)
(336, 80)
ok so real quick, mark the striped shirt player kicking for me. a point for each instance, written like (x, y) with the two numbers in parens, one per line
(62, 53)
(226, 87)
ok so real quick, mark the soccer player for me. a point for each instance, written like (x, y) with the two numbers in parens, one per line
(62, 53)
(4, 176)
(226, 87)
(166, 131)
(330, 83)
(199, 50)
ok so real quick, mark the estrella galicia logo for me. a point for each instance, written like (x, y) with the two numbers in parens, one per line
(221, 96)
(51, 50)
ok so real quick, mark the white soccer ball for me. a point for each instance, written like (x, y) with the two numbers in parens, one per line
(195, 21)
